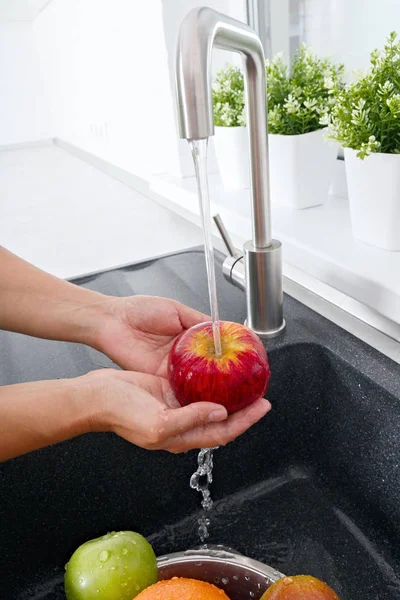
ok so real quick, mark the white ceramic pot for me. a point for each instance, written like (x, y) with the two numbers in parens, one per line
(301, 168)
(231, 149)
(374, 196)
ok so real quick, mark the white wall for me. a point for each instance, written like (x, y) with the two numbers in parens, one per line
(109, 69)
(24, 109)
(350, 29)
(107, 76)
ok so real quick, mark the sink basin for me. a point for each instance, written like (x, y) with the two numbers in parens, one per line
(313, 488)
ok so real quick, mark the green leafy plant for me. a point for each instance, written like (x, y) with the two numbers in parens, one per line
(301, 99)
(366, 117)
(228, 98)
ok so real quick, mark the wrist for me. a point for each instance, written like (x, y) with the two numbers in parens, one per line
(100, 319)
(86, 320)
(78, 406)
(89, 396)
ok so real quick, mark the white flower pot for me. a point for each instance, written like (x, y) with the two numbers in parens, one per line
(374, 197)
(231, 149)
(301, 168)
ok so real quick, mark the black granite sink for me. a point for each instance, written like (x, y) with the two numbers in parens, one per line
(314, 488)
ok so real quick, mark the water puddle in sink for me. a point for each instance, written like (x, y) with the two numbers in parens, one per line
(202, 478)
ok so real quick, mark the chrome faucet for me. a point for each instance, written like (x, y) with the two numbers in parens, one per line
(261, 273)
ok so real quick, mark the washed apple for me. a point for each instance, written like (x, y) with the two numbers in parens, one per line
(299, 587)
(116, 566)
(235, 379)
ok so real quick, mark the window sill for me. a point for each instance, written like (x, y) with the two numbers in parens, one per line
(320, 252)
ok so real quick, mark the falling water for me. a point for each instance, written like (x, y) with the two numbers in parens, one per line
(201, 481)
(199, 152)
(202, 478)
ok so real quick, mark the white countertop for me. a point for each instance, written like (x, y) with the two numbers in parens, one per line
(69, 218)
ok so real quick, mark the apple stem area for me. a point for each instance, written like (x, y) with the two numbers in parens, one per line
(217, 339)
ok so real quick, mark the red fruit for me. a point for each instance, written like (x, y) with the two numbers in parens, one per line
(299, 587)
(237, 378)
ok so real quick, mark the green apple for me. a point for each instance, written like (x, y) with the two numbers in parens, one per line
(116, 566)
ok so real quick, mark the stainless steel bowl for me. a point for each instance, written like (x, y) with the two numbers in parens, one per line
(240, 577)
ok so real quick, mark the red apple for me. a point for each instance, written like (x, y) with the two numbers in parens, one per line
(235, 379)
(299, 587)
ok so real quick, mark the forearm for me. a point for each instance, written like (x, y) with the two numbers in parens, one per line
(34, 415)
(41, 305)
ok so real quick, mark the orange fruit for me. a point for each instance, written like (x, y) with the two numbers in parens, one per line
(181, 588)
(299, 587)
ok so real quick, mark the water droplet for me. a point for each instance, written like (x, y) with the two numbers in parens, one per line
(247, 578)
(123, 584)
(97, 591)
(112, 568)
(198, 564)
(124, 550)
(104, 556)
(81, 580)
(217, 580)
(225, 580)
(275, 574)
(236, 577)
(251, 594)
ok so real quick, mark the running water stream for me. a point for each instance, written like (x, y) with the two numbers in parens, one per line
(199, 153)
(202, 478)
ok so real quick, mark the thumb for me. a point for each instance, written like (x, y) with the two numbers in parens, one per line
(194, 415)
(189, 317)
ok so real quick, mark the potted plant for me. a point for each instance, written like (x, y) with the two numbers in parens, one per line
(366, 121)
(230, 140)
(299, 103)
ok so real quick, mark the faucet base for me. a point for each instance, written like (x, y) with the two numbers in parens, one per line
(264, 294)
(269, 334)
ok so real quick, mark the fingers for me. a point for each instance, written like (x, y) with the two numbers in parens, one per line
(189, 317)
(219, 434)
(178, 421)
(152, 417)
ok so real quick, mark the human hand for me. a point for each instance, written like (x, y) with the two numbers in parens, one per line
(142, 409)
(137, 332)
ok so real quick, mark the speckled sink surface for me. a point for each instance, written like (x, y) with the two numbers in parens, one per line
(314, 488)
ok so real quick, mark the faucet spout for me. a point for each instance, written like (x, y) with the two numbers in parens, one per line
(201, 30)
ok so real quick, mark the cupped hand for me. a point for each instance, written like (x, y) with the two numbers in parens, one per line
(137, 332)
(142, 409)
